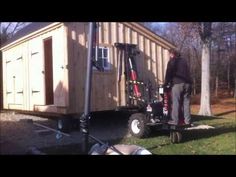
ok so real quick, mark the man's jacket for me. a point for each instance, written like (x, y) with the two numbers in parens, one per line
(177, 72)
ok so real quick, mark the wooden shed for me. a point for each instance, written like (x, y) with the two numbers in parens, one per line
(44, 65)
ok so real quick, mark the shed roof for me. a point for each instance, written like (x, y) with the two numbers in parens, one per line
(35, 26)
(27, 30)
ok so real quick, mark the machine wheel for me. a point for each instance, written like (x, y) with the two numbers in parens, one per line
(138, 125)
(175, 137)
(64, 124)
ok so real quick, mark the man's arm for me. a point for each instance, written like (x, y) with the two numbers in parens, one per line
(169, 72)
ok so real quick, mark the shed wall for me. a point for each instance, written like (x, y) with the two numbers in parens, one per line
(107, 93)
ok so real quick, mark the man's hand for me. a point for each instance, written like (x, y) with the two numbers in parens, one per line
(167, 85)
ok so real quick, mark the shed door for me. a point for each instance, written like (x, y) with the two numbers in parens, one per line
(10, 82)
(19, 79)
(48, 65)
(36, 79)
(14, 76)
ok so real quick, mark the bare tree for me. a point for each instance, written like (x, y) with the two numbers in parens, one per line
(8, 29)
(205, 34)
(223, 51)
(222, 43)
(185, 36)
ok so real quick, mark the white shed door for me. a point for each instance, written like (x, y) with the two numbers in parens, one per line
(36, 68)
(14, 76)
(10, 82)
(19, 79)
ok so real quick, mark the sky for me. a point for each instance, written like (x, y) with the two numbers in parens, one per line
(4, 24)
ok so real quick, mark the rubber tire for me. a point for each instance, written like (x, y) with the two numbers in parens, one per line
(142, 123)
(172, 137)
(179, 136)
(175, 137)
(64, 124)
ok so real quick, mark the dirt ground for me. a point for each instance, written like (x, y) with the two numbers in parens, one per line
(223, 107)
(18, 134)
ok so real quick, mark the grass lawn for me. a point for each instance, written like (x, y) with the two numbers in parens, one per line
(221, 140)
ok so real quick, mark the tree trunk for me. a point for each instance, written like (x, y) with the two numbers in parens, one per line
(216, 85)
(228, 77)
(194, 86)
(205, 108)
(217, 67)
(235, 88)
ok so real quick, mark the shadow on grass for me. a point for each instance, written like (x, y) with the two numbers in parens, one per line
(190, 135)
(158, 146)
(225, 113)
(196, 118)
(197, 134)
(200, 134)
(187, 136)
(107, 125)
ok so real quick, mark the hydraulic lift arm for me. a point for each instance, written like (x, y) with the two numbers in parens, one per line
(127, 55)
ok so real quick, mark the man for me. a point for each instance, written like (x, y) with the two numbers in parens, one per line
(178, 77)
